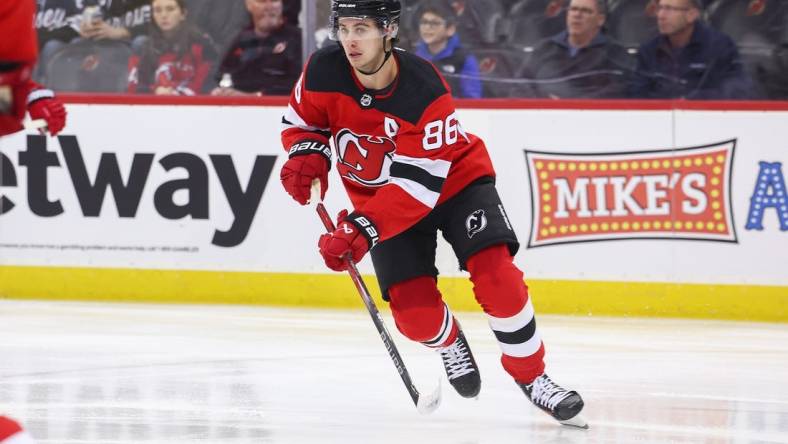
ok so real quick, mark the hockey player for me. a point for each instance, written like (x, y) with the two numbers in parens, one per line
(18, 93)
(410, 169)
(13, 433)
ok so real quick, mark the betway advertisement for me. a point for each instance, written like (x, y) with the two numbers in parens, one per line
(664, 195)
(178, 187)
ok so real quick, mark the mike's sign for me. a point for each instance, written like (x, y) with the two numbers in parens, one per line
(665, 194)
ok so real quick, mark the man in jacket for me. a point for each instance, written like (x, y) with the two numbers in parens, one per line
(689, 59)
(265, 58)
(580, 61)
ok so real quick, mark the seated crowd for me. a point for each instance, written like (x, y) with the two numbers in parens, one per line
(694, 49)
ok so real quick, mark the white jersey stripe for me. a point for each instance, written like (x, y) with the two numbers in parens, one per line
(292, 116)
(436, 167)
(416, 190)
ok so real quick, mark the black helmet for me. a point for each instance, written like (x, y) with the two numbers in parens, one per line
(384, 12)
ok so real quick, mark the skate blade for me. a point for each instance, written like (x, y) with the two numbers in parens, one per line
(577, 421)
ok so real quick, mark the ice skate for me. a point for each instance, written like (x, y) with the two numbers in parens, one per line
(562, 404)
(461, 368)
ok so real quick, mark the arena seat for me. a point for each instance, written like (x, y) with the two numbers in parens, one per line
(90, 66)
(223, 23)
(534, 20)
(497, 67)
(749, 23)
(632, 22)
(480, 21)
(757, 27)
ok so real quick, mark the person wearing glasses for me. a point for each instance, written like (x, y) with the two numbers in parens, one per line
(689, 59)
(579, 62)
(441, 45)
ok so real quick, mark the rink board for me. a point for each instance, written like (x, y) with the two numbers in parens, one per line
(650, 211)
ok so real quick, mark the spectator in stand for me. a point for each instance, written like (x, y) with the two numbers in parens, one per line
(478, 21)
(176, 58)
(57, 24)
(440, 44)
(265, 58)
(581, 61)
(688, 59)
(123, 20)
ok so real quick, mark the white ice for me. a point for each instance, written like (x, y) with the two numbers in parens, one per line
(79, 373)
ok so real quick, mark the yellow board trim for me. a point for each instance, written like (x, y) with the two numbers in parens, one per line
(652, 299)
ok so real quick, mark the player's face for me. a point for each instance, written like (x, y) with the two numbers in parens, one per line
(167, 14)
(675, 16)
(433, 29)
(584, 18)
(362, 41)
(266, 14)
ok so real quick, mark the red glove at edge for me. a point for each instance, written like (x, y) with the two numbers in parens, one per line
(42, 104)
(354, 235)
(308, 161)
(15, 85)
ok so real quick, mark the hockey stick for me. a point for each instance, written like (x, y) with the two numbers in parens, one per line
(424, 404)
(37, 124)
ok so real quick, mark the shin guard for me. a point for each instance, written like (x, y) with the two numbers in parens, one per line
(499, 288)
(420, 313)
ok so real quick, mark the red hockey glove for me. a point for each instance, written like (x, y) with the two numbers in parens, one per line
(308, 160)
(355, 235)
(42, 104)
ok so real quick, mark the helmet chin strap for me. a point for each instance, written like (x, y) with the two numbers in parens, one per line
(385, 58)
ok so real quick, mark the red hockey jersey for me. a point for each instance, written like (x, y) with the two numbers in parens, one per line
(18, 42)
(399, 152)
(18, 53)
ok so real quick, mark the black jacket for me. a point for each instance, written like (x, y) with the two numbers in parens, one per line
(599, 70)
(709, 67)
(269, 65)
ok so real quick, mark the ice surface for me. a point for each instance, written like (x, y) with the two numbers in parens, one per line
(79, 373)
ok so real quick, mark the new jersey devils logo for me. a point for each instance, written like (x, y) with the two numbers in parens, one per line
(364, 159)
(475, 222)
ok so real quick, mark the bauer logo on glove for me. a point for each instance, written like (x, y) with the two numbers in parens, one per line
(354, 236)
